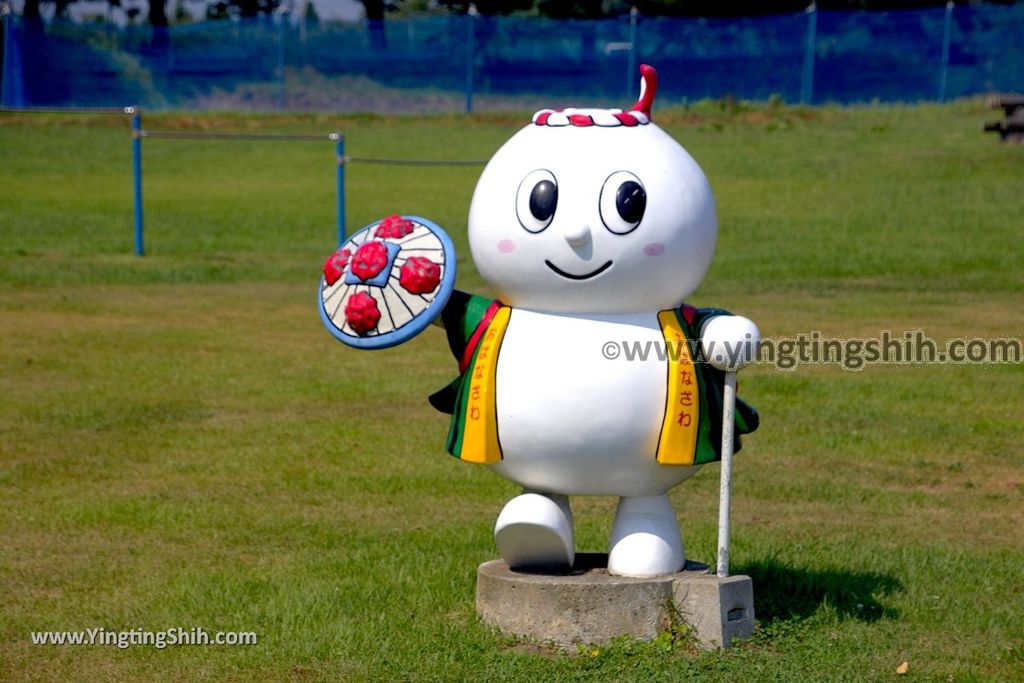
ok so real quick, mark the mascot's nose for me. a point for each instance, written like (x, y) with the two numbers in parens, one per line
(578, 237)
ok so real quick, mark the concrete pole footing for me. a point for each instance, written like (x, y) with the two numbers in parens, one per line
(588, 605)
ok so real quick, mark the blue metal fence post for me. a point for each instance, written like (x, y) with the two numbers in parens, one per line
(631, 63)
(470, 56)
(807, 78)
(340, 152)
(947, 34)
(5, 62)
(136, 114)
(280, 61)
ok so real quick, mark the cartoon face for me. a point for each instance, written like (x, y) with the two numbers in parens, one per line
(592, 218)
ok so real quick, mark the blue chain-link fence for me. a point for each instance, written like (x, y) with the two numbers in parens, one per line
(456, 62)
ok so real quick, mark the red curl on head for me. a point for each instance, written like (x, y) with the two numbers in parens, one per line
(648, 87)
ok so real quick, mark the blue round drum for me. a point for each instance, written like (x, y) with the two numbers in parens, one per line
(387, 282)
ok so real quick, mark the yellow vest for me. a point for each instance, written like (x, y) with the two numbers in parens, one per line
(677, 443)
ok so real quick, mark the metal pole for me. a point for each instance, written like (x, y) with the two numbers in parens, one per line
(5, 9)
(947, 33)
(136, 114)
(280, 62)
(340, 152)
(470, 56)
(807, 79)
(631, 64)
(725, 485)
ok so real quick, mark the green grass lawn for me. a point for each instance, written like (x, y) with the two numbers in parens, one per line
(182, 443)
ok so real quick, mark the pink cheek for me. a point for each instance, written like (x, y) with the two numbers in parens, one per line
(654, 249)
(506, 246)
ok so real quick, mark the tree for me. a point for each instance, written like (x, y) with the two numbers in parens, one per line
(246, 9)
(158, 20)
(309, 15)
(487, 8)
(573, 9)
(31, 10)
(710, 8)
(375, 23)
(158, 12)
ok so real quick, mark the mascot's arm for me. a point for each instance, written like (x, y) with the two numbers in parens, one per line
(461, 317)
(729, 342)
(725, 342)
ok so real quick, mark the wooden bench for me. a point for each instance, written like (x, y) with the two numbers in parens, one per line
(1011, 128)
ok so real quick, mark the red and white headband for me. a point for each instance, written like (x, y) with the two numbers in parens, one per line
(637, 115)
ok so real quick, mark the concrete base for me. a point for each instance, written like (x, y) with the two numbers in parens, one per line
(588, 605)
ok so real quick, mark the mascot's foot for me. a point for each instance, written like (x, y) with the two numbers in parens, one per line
(534, 531)
(645, 538)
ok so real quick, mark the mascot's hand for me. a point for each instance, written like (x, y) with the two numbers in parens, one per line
(730, 342)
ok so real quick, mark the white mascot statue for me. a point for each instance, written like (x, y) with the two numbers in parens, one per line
(588, 374)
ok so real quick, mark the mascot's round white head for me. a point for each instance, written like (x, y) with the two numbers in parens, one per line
(593, 211)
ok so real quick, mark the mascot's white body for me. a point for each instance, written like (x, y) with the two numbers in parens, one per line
(588, 223)
(593, 426)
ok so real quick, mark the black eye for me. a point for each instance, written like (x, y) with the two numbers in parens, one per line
(631, 200)
(537, 200)
(623, 202)
(544, 199)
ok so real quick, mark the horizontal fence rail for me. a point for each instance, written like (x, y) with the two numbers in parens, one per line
(260, 137)
(138, 134)
(97, 111)
(453, 63)
(416, 162)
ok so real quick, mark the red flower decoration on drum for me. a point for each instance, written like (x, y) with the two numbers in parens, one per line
(369, 260)
(420, 275)
(335, 266)
(394, 227)
(361, 313)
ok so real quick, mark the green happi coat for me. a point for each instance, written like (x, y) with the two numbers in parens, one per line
(692, 422)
